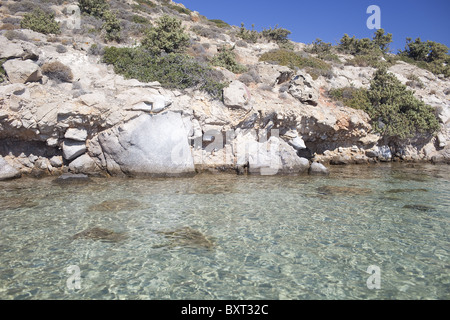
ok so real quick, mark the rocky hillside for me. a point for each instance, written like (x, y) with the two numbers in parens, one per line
(68, 105)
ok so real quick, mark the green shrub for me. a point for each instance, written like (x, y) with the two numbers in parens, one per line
(315, 67)
(319, 47)
(140, 19)
(366, 60)
(94, 8)
(174, 70)
(111, 25)
(57, 71)
(40, 21)
(168, 36)
(248, 35)
(357, 46)
(381, 40)
(279, 35)
(394, 111)
(226, 58)
(429, 55)
(2, 71)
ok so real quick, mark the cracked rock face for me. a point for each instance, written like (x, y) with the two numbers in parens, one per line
(302, 88)
(148, 145)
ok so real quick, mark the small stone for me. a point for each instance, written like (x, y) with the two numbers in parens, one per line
(56, 161)
(317, 168)
(7, 171)
(76, 134)
(71, 178)
(73, 149)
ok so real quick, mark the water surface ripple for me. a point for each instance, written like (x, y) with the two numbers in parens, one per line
(230, 237)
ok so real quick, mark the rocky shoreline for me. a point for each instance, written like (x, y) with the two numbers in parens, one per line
(99, 123)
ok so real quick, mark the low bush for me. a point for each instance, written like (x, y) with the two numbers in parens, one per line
(40, 21)
(168, 36)
(94, 8)
(315, 67)
(173, 70)
(394, 111)
(277, 34)
(2, 71)
(96, 50)
(57, 71)
(226, 58)
(248, 35)
(111, 25)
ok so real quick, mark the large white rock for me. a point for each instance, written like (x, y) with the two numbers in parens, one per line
(20, 71)
(83, 164)
(149, 145)
(7, 171)
(73, 149)
(270, 157)
(237, 95)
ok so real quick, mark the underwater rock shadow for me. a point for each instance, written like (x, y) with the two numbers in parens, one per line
(186, 237)
(100, 234)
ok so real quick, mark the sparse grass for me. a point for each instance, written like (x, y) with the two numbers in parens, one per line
(226, 58)
(219, 23)
(315, 67)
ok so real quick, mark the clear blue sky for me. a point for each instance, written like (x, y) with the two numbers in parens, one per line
(329, 20)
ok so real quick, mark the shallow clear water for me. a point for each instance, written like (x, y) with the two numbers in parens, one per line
(273, 237)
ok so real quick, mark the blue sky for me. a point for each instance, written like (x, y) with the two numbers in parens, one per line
(329, 20)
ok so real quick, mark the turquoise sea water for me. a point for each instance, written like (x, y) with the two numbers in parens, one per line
(231, 237)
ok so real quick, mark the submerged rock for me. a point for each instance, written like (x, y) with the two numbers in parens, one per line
(16, 202)
(317, 168)
(71, 178)
(406, 190)
(186, 237)
(338, 190)
(115, 205)
(101, 234)
(418, 207)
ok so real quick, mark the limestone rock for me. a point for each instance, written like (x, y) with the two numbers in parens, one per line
(318, 169)
(56, 161)
(7, 171)
(20, 71)
(9, 49)
(73, 149)
(145, 99)
(270, 157)
(302, 87)
(237, 95)
(297, 143)
(76, 134)
(148, 145)
(83, 164)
